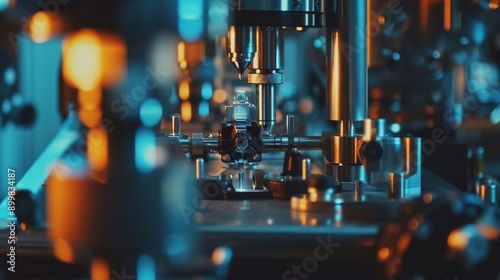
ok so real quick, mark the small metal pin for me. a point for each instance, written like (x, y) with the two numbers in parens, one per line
(200, 168)
(357, 190)
(176, 124)
(306, 168)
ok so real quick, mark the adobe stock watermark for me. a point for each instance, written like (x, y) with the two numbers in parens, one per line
(51, 8)
(309, 265)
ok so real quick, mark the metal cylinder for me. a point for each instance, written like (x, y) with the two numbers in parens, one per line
(357, 190)
(396, 185)
(306, 168)
(176, 124)
(269, 55)
(266, 105)
(346, 27)
(290, 125)
(346, 173)
(241, 46)
(412, 155)
(200, 168)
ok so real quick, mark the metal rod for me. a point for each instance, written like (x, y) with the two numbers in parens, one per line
(396, 185)
(346, 27)
(271, 143)
(290, 125)
(306, 168)
(357, 190)
(200, 168)
(266, 105)
(176, 124)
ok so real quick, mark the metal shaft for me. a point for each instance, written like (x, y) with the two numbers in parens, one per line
(241, 47)
(200, 168)
(176, 124)
(266, 74)
(266, 105)
(346, 27)
(396, 185)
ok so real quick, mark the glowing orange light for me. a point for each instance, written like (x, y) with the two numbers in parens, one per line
(428, 198)
(219, 256)
(220, 96)
(458, 240)
(447, 15)
(494, 4)
(40, 27)
(413, 224)
(97, 149)
(63, 251)
(184, 89)
(299, 28)
(383, 254)
(181, 54)
(90, 118)
(92, 60)
(306, 106)
(100, 270)
(186, 111)
(23, 226)
(82, 60)
(488, 231)
(90, 100)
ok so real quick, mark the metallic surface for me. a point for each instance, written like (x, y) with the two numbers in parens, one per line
(176, 125)
(241, 46)
(280, 5)
(266, 104)
(200, 168)
(347, 173)
(341, 150)
(347, 86)
(396, 185)
(269, 55)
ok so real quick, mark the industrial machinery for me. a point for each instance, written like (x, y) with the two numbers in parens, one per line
(238, 139)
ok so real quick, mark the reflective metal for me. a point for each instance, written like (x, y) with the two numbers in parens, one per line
(241, 46)
(280, 5)
(346, 60)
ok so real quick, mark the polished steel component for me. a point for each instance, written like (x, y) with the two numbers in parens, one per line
(347, 173)
(241, 174)
(241, 47)
(197, 144)
(290, 125)
(487, 190)
(241, 110)
(357, 190)
(265, 73)
(396, 185)
(176, 125)
(374, 129)
(306, 168)
(270, 49)
(266, 104)
(272, 78)
(346, 128)
(392, 160)
(342, 150)
(281, 143)
(346, 26)
(412, 160)
(200, 168)
(281, 5)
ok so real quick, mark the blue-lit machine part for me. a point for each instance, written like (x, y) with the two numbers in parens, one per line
(208, 139)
